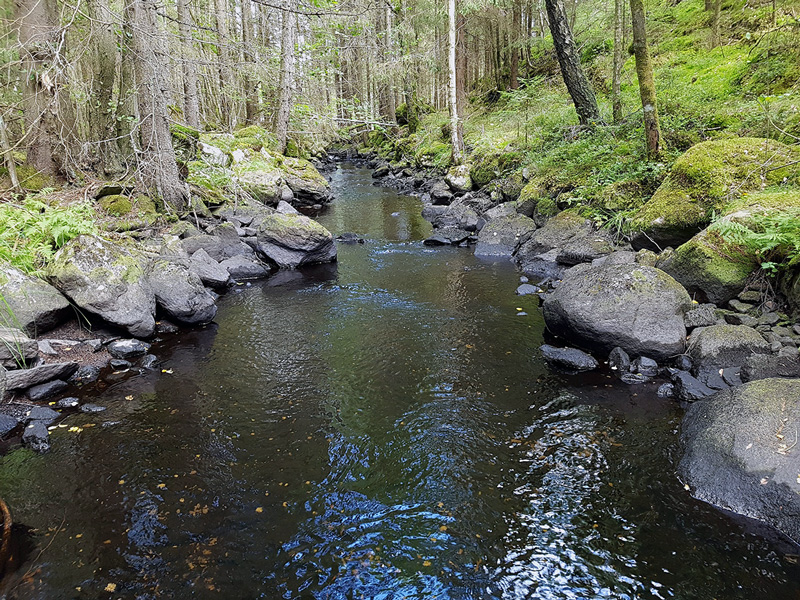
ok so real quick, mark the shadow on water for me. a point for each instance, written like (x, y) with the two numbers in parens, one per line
(380, 428)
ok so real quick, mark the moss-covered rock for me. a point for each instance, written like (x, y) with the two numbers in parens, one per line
(308, 185)
(184, 141)
(30, 303)
(293, 240)
(116, 205)
(491, 164)
(706, 178)
(32, 180)
(710, 267)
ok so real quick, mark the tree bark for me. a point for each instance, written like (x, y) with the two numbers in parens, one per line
(456, 137)
(227, 86)
(287, 75)
(191, 97)
(644, 73)
(577, 84)
(619, 61)
(516, 17)
(250, 85)
(38, 37)
(158, 170)
(461, 65)
(715, 37)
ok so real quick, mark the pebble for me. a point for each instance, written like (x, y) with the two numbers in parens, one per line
(92, 408)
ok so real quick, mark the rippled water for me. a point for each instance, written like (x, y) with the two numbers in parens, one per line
(381, 428)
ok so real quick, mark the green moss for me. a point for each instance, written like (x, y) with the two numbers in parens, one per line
(116, 205)
(767, 199)
(492, 164)
(32, 180)
(184, 141)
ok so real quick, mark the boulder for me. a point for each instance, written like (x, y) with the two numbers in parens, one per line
(701, 316)
(265, 185)
(25, 378)
(765, 366)
(381, 171)
(637, 308)
(458, 215)
(739, 455)
(441, 194)
(29, 303)
(7, 424)
(36, 437)
(126, 349)
(569, 358)
(725, 345)
(448, 236)
(503, 235)
(213, 155)
(285, 208)
(43, 391)
(555, 234)
(586, 248)
(709, 267)
(210, 272)
(108, 280)
(303, 179)
(291, 241)
(241, 268)
(180, 293)
(458, 178)
(16, 348)
(688, 388)
(703, 180)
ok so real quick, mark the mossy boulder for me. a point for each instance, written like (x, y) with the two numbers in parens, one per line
(711, 268)
(492, 164)
(308, 185)
(184, 140)
(292, 240)
(265, 185)
(458, 178)
(738, 452)
(703, 180)
(116, 205)
(725, 346)
(638, 308)
(107, 279)
(32, 180)
(29, 303)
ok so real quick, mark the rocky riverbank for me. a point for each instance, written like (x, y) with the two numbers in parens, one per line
(105, 301)
(673, 302)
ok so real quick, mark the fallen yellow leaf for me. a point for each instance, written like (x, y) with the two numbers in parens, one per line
(111, 587)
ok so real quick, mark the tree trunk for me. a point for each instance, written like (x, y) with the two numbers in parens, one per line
(516, 12)
(461, 66)
(227, 87)
(287, 75)
(577, 84)
(158, 170)
(250, 86)
(644, 73)
(191, 98)
(619, 60)
(715, 37)
(38, 38)
(455, 122)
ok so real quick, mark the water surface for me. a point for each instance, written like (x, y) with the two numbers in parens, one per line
(380, 428)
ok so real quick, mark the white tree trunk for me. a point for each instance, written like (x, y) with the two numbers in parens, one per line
(287, 75)
(455, 129)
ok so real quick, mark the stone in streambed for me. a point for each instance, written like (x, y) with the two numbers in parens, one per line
(291, 241)
(36, 437)
(26, 378)
(180, 293)
(126, 349)
(569, 358)
(43, 391)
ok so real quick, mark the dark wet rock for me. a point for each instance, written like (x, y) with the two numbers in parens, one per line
(732, 376)
(619, 361)
(639, 309)
(69, 402)
(502, 236)
(558, 232)
(218, 247)
(645, 366)
(449, 236)
(242, 268)
(458, 216)
(148, 361)
(701, 316)
(119, 364)
(36, 437)
(527, 289)
(42, 413)
(165, 327)
(350, 238)
(209, 270)
(584, 249)
(107, 280)
(84, 375)
(180, 293)
(738, 455)
(765, 366)
(666, 390)
(569, 358)
(94, 345)
(381, 171)
(291, 241)
(725, 345)
(30, 304)
(543, 265)
(16, 348)
(7, 424)
(43, 391)
(432, 211)
(25, 378)
(683, 362)
(126, 349)
(740, 307)
(618, 257)
(712, 378)
(92, 408)
(740, 319)
(688, 388)
(441, 194)
(634, 378)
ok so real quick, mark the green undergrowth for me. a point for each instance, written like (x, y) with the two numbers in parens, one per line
(32, 231)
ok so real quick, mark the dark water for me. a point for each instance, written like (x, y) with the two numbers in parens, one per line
(383, 428)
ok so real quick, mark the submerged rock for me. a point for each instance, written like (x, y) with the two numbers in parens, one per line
(448, 236)
(738, 453)
(637, 308)
(36, 437)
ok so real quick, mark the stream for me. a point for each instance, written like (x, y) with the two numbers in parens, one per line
(380, 428)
